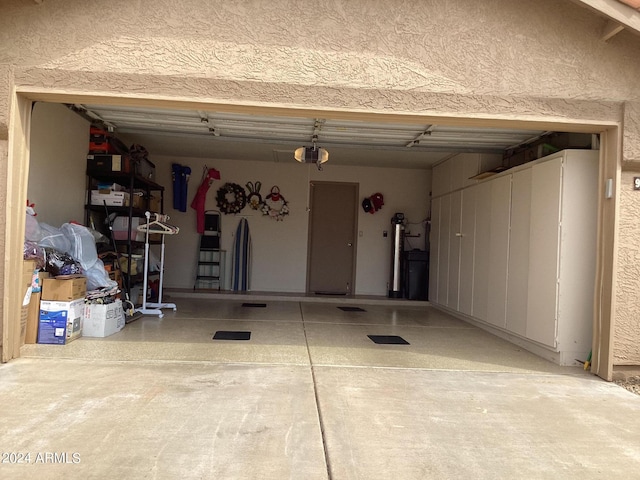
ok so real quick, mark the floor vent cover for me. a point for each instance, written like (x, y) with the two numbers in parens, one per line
(254, 305)
(388, 340)
(352, 309)
(227, 335)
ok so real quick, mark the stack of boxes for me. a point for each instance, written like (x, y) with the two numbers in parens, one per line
(65, 314)
(102, 142)
(61, 310)
(114, 196)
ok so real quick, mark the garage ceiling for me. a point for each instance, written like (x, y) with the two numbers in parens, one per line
(234, 136)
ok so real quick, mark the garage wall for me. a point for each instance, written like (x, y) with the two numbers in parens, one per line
(60, 139)
(280, 247)
(57, 182)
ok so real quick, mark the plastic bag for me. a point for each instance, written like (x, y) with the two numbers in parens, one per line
(32, 231)
(54, 238)
(97, 277)
(83, 244)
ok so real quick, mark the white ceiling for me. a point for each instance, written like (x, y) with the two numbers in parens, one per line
(233, 136)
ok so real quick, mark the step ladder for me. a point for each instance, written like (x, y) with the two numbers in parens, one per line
(211, 259)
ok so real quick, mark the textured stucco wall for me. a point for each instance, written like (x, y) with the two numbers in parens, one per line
(494, 56)
(541, 59)
(631, 133)
(626, 335)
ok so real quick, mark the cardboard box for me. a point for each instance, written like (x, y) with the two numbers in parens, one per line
(33, 316)
(138, 200)
(103, 164)
(28, 272)
(103, 320)
(137, 264)
(60, 322)
(112, 198)
(64, 290)
(155, 203)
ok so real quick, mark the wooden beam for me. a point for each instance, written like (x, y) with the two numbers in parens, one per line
(616, 11)
(611, 29)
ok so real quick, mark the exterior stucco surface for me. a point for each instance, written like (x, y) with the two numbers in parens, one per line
(631, 139)
(626, 342)
(541, 59)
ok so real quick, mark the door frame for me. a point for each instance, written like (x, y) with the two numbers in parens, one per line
(355, 232)
(608, 210)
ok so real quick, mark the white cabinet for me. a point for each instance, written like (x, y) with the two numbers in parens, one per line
(441, 179)
(517, 251)
(467, 250)
(455, 216)
(498, 252)
(578, 248)
(518, 267)
(562, 251)
(493, 201)
(443, 249)
(456, 172)
(544, 252)
(434, 250)
(482, 245)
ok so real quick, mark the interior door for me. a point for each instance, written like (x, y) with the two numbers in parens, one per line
(332, 238)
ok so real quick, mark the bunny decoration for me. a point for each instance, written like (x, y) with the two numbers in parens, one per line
(254, 199)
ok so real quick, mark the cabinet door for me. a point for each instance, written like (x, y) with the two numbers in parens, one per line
(482, 248)
(499, 250)
(443, 249)
(467, 242)
(518, 283)
(544, 243)
(471, 168)
(434, 250)
(454, 250)
(441, 179)
(578, 250)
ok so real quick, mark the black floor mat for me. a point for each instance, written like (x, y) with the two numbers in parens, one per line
(254, 305)
(227, 335)
(388, 340)
(352, 309)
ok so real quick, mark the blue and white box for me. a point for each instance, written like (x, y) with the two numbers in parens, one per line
(60, 322)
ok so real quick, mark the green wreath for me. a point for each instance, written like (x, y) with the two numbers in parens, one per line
(228, 206)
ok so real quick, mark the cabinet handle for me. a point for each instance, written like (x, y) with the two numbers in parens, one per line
(459, 235)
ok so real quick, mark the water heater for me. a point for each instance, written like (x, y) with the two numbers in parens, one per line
(397, 250)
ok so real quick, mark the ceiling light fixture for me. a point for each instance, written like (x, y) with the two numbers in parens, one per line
(312, 154)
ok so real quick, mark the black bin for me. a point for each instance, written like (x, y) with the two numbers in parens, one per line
(416, 278)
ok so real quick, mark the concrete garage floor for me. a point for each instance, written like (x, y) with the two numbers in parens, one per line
(309, 396)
